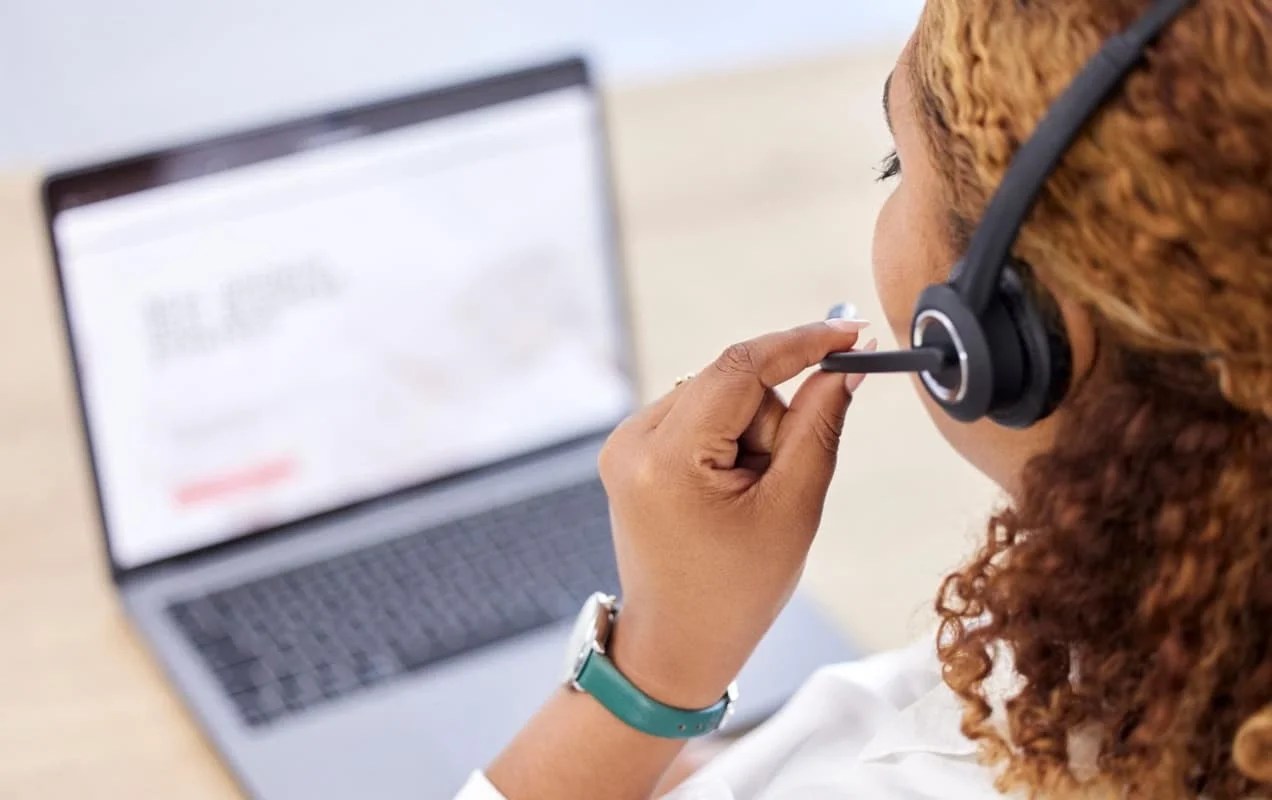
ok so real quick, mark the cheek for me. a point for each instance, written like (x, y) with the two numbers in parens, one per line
(906, 261)
(898, 272)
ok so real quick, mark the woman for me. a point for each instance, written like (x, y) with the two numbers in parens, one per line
(1113, 637)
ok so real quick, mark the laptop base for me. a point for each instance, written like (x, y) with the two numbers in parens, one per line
(421, 735)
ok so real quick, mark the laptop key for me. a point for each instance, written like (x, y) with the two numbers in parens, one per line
(244, 677)
(374, 668)
(336, 679)
(416, 653)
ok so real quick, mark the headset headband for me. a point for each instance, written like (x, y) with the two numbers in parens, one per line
(990, 248)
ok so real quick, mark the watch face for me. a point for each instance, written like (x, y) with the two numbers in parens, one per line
(584, 635)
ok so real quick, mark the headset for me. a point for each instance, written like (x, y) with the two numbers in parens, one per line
(985, 344)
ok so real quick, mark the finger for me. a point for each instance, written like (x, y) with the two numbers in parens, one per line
(631, 436)
(854, 380)
(721, 402)
(649, 417)
(808, 440)
(755, 463)
(760, 436)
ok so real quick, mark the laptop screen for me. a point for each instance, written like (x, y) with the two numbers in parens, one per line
(374, 310)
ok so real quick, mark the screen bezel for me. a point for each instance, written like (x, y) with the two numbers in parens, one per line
(86, 185)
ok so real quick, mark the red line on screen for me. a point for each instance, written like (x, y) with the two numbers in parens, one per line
(253, 478)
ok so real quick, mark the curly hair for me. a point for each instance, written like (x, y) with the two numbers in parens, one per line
(1127, 590)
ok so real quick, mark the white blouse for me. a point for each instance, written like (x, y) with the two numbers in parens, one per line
(884, 728)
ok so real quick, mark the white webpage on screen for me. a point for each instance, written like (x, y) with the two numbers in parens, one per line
(284, 338)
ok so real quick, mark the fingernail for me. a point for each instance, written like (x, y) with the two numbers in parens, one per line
(853, 382)
(848, 325)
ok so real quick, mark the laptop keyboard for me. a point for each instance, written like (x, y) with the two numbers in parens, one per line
(299, 638)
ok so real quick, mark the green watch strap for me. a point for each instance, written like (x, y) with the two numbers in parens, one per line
(601, 679)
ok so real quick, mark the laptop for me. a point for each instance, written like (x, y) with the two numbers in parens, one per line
(343, 382)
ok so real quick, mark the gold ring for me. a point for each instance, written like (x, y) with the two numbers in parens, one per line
(683, 379)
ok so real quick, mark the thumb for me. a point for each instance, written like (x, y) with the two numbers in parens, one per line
(807, 443)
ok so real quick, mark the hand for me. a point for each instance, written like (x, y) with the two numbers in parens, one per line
(716, 492)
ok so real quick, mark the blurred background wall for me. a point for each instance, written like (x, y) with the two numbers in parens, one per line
(90, 77)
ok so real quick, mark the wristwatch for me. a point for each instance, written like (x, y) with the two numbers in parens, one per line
(590, 670)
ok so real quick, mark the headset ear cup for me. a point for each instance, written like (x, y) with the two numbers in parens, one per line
(966, 388)
(1040, 336)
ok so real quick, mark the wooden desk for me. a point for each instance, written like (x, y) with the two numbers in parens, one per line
(748, 204)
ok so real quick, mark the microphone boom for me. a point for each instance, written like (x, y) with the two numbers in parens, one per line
(922, 359)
